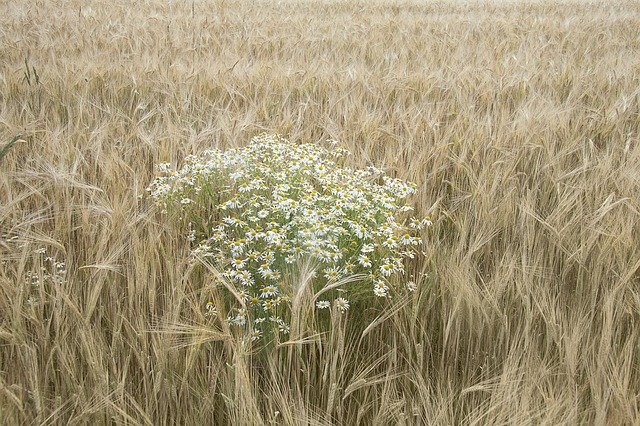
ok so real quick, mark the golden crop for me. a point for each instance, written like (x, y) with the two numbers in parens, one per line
(518, 120)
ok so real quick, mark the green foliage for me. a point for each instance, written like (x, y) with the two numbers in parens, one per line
(5, 149)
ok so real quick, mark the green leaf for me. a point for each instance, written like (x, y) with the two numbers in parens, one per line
(6, 148)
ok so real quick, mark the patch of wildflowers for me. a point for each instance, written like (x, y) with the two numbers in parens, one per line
(46, 271)
(259, 210)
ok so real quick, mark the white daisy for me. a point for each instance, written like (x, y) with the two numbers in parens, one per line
(342, 304)
(323, 304)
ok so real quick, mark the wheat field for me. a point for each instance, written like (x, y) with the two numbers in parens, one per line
(518, 121)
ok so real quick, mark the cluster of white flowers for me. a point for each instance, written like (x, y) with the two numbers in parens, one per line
(256, 212)
(50, 271)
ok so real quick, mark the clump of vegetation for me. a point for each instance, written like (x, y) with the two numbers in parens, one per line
(257, 214)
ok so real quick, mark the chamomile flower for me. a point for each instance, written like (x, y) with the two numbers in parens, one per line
(349, 267)
(271, 275)
(390, 243)
(245, 278)
(331, 274)
(364, 261)
(268, 305)
(264, 270)
(380, 289)
(268, 291)
(269, 257)
(238, 320)
(218, 234)
(406, 239)
(252, 235)
(367, 248)
(283, 327)
(256, 334)
(323, 304)
(342, 304)
(237, 247)
(210, 310)
(387, 269)
(253, 256)
(420, 224)
(238, 263)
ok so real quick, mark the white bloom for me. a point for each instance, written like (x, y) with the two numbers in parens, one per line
(342, 304)
(271, 275)
(390, 243)
(210, 310)
(217, 233)
(268, 291)
(406, 239)
(238, 263)
(237, 175)
(202, 250)
(331, 274)
(420, 224)
(284, 328)
(367, 248)
(387, 269)
(360, 231)
(323, 304)
(237, 321)
(364, 261)
(164, 168)
(245, 278)
(237, 247)
(256, 334)
(380, 291)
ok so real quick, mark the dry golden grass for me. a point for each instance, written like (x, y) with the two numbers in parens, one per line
(519, 122)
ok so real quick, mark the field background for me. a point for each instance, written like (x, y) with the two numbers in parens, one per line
(518, 121)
